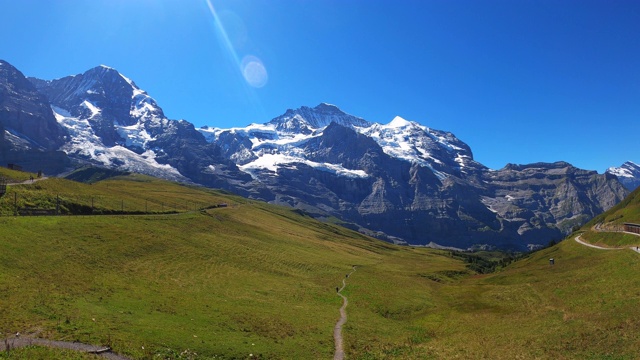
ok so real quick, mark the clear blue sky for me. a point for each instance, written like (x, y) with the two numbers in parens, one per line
(520, 81)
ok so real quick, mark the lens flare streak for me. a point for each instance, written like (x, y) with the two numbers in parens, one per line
(251, 67)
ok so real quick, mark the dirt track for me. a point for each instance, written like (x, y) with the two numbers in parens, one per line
(337, 330)
(17, 342)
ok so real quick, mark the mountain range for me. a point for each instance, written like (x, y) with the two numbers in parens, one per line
(401, 181)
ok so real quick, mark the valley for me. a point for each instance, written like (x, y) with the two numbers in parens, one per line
(253, 280)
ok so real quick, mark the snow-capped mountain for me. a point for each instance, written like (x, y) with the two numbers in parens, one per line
(400, 181)
(284, 140)
(409, 182)
(628, 174)
(440, 151)
(111, 122)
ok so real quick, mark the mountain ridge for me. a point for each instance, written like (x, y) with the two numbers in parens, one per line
(401, 181)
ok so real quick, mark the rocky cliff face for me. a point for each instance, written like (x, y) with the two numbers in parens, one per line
(400, 181)
(29, 133)
(25, 113)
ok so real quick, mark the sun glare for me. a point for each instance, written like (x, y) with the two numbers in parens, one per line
(251, 67)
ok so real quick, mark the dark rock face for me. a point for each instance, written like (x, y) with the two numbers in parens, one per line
(541, 199)
(185, 149)
(29, 132)
(26, 112)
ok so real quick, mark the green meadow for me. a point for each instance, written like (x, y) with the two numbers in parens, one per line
(254, 281)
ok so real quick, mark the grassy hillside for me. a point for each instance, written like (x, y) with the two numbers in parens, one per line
(626, 211)
(121, 194)
(610, 224)
(254, 279)
(243, 279)
(14, 176)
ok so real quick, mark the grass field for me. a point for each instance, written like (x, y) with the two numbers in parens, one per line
(252, 280)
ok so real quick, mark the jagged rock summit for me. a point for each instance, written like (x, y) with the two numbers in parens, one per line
(400, 181)
(305, 119)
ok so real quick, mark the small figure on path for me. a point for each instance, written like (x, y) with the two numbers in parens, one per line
(337, 289)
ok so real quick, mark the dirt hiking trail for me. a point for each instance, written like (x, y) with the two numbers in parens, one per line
(16, 342)
(337, 330)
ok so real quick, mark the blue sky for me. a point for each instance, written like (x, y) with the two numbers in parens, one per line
(520, 81)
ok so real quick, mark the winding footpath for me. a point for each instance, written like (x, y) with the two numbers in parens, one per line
(598, 229)
(28, 182)
(337, 330)
(16, 342)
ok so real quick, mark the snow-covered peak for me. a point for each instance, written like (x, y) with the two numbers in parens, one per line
(287, 135)
(440, 151)
(628, 174)
(399, 122)
(629, 169)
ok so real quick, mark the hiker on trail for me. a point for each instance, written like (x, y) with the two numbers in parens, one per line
(337, 289)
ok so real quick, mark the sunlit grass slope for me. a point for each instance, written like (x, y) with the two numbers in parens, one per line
(14, 176)
(254, 279)
(123, 194)
(627, 211)
(585, 306)
(231, 281)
